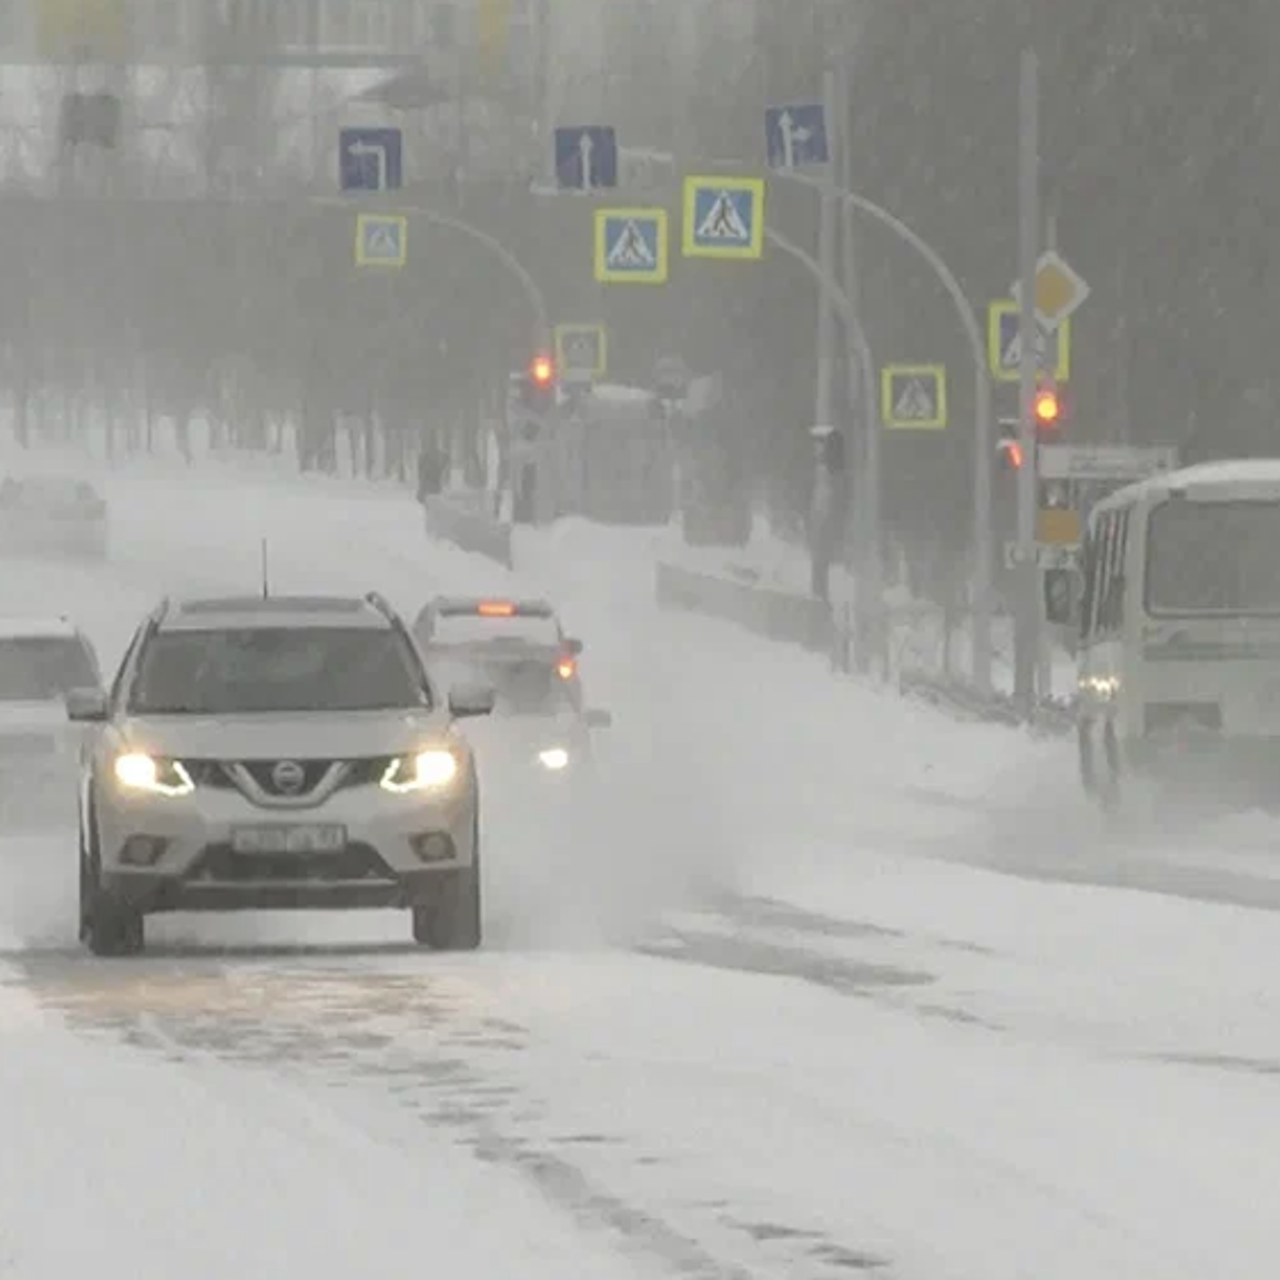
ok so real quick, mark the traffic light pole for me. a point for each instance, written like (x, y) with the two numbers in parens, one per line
(1026, 635)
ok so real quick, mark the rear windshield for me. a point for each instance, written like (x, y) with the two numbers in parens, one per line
(474, 628)
(277, 669)
(1213, 558)
(42, 668)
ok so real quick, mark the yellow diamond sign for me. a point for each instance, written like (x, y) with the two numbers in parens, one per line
(1059, 290)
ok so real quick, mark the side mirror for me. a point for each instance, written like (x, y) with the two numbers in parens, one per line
(598, 719)
(87, 706)
(469, 700)
(572, 646)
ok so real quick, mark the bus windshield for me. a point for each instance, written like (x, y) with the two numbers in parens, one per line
(1213, 558)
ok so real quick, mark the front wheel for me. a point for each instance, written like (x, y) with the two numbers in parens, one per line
(453, 922)
(109, 928)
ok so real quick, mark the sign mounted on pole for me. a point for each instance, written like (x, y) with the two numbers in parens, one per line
(586, 158)
(796, 136)
(723, 218)
(913, 397)
(1004, 345)
(1105, 461)
(370, 159)
(1060, 290)
(631, 246)
(382, 240)
(582, 349)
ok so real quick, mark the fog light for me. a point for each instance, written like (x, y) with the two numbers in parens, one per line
(143, 851)
(434, 846)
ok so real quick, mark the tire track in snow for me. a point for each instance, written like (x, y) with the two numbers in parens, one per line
(339, 1025)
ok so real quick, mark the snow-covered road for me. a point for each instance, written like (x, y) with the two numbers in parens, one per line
(780, 1014)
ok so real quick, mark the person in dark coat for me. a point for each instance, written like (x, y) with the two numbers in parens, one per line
(432, 464)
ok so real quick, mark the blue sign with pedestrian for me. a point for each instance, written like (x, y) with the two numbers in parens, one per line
(370, 159)
(796, 135)
(586, 157)
(723, 217)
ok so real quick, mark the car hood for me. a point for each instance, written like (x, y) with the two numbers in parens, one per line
(23, 717)
(299, 736)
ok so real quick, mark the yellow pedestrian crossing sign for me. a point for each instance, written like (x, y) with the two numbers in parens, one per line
(631, 246)
(723, 217)
(382, 240)
(913, 397)
(582, 349)
(1004, 345)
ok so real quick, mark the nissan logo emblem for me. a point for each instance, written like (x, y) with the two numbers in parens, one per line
(288, 777)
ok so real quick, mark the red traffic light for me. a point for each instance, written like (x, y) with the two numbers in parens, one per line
(1047, 408)
(542, 370)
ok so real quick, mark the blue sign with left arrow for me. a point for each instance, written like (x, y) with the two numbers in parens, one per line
(370, 159)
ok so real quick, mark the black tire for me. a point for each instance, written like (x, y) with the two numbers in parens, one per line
(109, 928)
(453, 922)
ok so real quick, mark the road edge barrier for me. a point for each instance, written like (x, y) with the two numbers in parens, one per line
(789, 618)
(464, 524)
(782, 616)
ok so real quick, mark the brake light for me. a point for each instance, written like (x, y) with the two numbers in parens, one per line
(565, 668)
(496, 609)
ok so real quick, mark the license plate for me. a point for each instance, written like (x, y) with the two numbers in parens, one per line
(313, 837)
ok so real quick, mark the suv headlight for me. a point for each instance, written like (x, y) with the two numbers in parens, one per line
(137, 771)
(430, 770)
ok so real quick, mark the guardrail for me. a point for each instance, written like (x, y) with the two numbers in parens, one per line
(790, 618)
(468, 527)
(776, 615)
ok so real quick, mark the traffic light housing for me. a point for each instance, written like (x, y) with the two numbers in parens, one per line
(538, 389)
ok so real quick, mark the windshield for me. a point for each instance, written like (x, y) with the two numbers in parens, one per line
(1213, 557)
(276, 669)
(42, 668)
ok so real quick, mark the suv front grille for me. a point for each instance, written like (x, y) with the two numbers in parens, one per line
(217, 774)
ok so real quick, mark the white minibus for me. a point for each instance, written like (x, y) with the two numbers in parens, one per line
(1179, 637)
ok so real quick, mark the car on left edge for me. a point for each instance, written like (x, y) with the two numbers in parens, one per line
(289, 752)
(53, 516)
(42, 659)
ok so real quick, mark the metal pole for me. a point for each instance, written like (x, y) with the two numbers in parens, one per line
(870, 596)
(1027, 603)
(824, 408)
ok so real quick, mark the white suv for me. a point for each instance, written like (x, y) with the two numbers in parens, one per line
(287, 752)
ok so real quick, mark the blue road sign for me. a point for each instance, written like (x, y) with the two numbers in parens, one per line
(587, 157)
(370, 159)
(382, 240)
(723, 217)
(796, 135)
(631, 246)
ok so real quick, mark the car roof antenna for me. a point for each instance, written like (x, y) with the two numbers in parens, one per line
(265, 585)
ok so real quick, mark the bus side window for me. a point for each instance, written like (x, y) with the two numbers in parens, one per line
(1102, 578)
(1089, 559)
(1113, 603)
